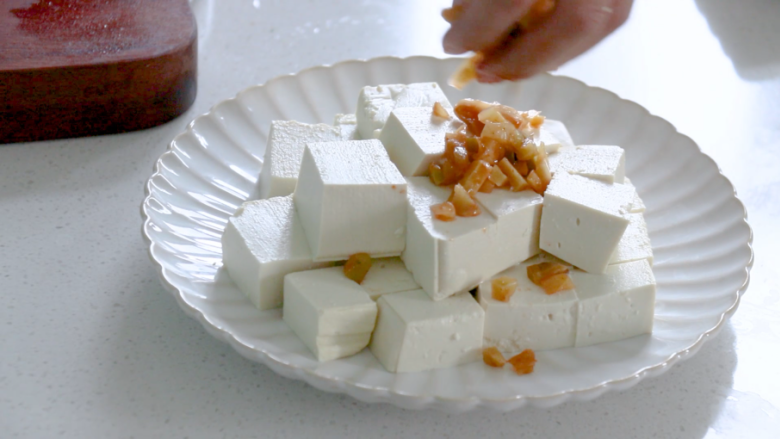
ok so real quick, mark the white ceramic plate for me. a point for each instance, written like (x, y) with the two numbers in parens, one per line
(698, 228)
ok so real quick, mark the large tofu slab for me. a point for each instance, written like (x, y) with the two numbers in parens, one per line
(447, 257)
(375, 103)
(554, 135)
(583, 220)
(351, 198)
(635, 243)
(264, 241)
(616, 305)
(283, 154)
(387, 276)
(531, 319)
(518, 215)
(600, 162)
(414, 138)
(414, 333)
(330, 313)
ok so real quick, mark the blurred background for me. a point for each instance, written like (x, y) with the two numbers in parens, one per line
(110, 354)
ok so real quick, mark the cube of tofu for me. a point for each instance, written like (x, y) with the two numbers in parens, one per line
(616, 305)
(387, 276)
(344, 119)
(583, 220)
(283, 154)
(554, 135)
(517, 215)
(375, 103)
(351, 198)
(330, 313)
(531, 319)
(414, 138)
(637, 205)
(600, 162)
(347, 124)
(263, 241)
(414, 333)
(447, 257)
(635, 243)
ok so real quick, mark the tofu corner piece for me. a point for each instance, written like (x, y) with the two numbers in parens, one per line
(616, 305)
(518, 215)
(637, 205)
(347, 125)
(414, 333)
(635, 243)
(600, 162)
(375, 103)
(283, 153)
(263, 241)
(388, 276)
(583, 220)
(351, 198)
(446, 258)
(414, 138)
(555, 136)
(531, 319)
(331, 314)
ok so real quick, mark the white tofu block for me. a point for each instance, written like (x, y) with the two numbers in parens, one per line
(375, 103)
(264, 241)
(554, 135)
(447, 257)
(283, 154)
(600, 162)
(386, 276)
(414, 333)
(330, 313)
(347, 125)
(340, 346)
(616, 305)
(351, 198)
(518, 215)
(344, 119)
(531, 319)
(583, 220)
(637, 205)
(635, 243)
(414, 138)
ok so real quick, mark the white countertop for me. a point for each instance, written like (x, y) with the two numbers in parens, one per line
(92, 346)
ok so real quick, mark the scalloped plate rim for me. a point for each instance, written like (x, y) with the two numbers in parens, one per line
(438, 402)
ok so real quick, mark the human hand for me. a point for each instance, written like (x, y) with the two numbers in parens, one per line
(490, 27)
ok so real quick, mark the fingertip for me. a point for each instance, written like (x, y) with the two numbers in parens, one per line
(453, 49)
(521, 59)
(452, 45)
(491, 71)
(481, 26)
(487, 77)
